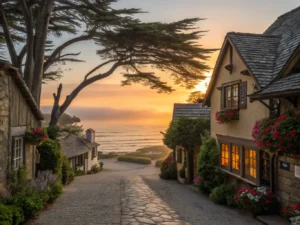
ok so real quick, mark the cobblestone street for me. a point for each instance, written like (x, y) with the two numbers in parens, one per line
(130, 194)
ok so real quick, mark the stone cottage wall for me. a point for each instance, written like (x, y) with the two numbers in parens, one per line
(288, 186)
(4, 127)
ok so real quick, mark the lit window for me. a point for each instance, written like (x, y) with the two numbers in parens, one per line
(231, 96)
(225, 154)
(250, 163)
(17, 152)
(235, 158)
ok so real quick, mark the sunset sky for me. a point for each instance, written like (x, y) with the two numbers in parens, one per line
(107, 101)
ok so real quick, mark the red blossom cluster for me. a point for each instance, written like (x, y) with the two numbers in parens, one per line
(35, 137)
(227, 115)
(291, 210)
(281, 134)
(39, 132)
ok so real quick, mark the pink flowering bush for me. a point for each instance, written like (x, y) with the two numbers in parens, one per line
(197, 180)
(257, 200)
(227, 115)
(291, 211)
(281, 134)
(36, 136)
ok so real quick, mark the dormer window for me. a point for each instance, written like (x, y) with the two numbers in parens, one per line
(234, 95)
(231, 96)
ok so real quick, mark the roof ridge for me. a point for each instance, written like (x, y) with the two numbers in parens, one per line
(254, 34)
(289, 12)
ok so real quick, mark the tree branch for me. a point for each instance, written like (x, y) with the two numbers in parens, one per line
(8, 38)
(98, 67)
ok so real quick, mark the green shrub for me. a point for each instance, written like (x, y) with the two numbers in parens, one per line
(95, 168)
(50, 156)
(170, 173)
(182, 172)
(139, 160)
(53, 132)
(79, 173)
(17, 180)
(30, 202)
(6, 215)
(55, 191)
(101, 165)
(223, 194)
(18, 216)
(207, 164)
(67, 172)
(159, 162)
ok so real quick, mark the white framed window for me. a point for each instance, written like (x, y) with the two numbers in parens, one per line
(18, 148)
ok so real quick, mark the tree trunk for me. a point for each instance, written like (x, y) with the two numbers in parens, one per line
(190, 166)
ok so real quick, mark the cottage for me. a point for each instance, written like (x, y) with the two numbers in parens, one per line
(193, 111)
(257, 76)
(18, 113)
(81, 151)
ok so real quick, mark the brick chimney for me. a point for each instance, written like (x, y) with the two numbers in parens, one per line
(90, 135)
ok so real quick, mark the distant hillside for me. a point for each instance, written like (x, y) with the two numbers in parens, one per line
(64, 120)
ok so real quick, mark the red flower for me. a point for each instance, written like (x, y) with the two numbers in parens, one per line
(293, 132)
(268, 128)
(268, 202)
(276, 135)
(282, 117)
(268, 192)
(235, 198)
(283, 209)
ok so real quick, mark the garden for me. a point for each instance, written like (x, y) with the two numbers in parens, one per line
(25, 198)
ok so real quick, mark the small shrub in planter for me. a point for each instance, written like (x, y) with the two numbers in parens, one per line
(35, 137)
(55, 192)
(291, 211)
(6, 215)
(258, 200)
(222, 194)
(132, 159)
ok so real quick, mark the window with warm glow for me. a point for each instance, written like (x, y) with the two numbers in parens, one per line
(250, 162)
(225, 155)
(235, 157)
(231, 96)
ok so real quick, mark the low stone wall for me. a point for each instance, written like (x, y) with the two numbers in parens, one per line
(288, 185)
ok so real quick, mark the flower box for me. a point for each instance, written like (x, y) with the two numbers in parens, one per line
(35, 137)
(227, 115)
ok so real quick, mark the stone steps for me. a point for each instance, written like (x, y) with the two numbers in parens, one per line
(272, 220)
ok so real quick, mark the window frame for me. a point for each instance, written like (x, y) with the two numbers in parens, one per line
(232, 95)
(248, 176)
(21, 148)
(221, 155)
(236, 161)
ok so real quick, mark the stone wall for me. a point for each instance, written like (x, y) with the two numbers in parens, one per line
(288, 186)
(4, 127)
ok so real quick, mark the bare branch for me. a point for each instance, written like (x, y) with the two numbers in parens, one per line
(98, 67)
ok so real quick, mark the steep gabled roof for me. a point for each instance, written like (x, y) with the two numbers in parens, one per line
(259, 52)
(193, 111)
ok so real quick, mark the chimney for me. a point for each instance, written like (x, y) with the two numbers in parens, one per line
(90, 135)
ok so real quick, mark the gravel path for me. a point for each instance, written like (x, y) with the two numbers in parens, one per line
(131, 194)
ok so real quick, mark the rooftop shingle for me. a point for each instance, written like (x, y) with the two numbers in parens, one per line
(193, 111)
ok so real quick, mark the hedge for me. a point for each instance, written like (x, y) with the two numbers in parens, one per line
(159, 162)
(139, 160)
(67, 172)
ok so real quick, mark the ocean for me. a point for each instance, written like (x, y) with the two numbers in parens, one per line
(128, 138)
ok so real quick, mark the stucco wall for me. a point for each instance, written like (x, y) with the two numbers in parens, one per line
(4, 127)
(90, 161)
(241, 128)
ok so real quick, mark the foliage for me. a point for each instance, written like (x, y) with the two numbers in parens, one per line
(258, 200)
(154, 152)
(68, 130)
(197, 181)
(44, 180)
(208, 159)
(35, 137)
(95, 168)
(101, 164)
(182, 172)
(17, 180)
(30, 202)
(18, 216)
(186, 132)
(109, 155)
(196, 97)
(159, 162)
(168, 169)
(53, 132)
(167, 163)
(67, 172)
(281, 134)
(227, 115)
(132, 159)
(50, 156)
(291, 211)
(6, 215)
(79, 173)
(55, 191)
(223, 193)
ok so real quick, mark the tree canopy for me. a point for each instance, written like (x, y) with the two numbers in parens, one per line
(196, 97)
(141, 49)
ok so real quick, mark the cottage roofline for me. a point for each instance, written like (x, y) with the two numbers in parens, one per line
(7, 69)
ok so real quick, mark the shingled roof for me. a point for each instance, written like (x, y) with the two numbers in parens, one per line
(193, 111)
(75, 145)
(259, 53)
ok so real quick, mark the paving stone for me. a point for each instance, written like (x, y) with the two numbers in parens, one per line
(144, 220)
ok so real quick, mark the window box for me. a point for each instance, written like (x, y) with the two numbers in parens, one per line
(227, 115)
(35, 137)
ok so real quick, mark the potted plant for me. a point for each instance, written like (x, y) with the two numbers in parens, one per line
(291, 212)
(35, 137)
(258, 200)
(182, 175)
(227, 115)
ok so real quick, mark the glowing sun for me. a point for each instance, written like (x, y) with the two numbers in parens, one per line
(202, 86)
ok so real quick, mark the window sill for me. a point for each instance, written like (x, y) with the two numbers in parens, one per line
(239, 177)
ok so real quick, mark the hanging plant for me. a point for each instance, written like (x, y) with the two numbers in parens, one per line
(227, 115)
(281, 134)
(35, 137)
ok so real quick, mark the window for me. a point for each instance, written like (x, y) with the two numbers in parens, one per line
(250, 163)
(17, 151)
(235, 158)
(225, 155)
(231, 96)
